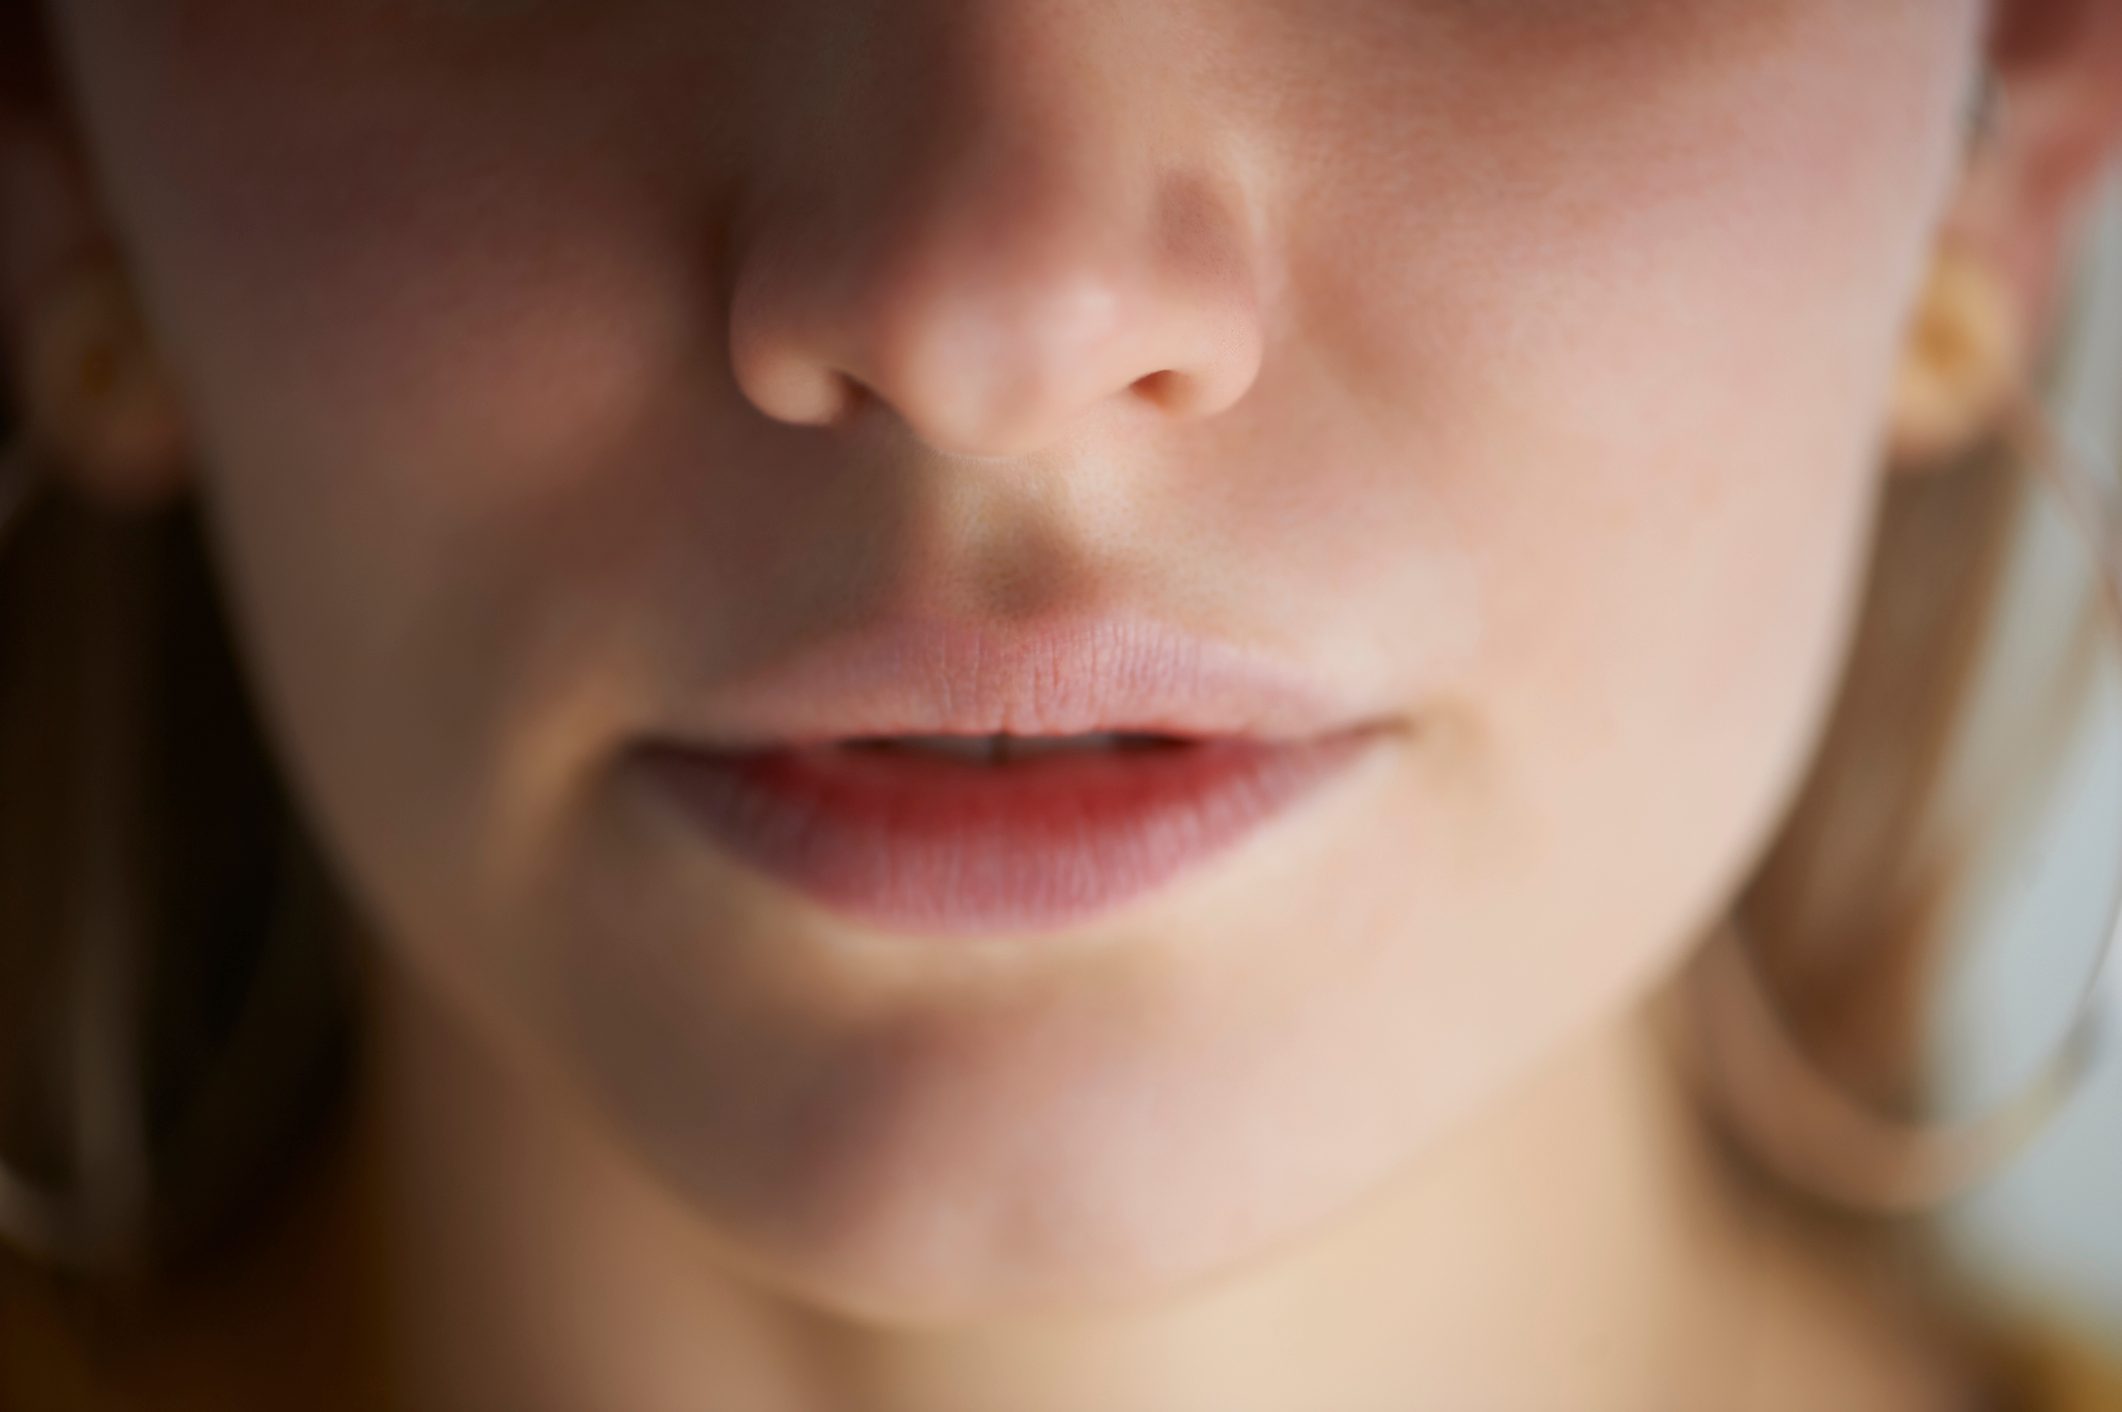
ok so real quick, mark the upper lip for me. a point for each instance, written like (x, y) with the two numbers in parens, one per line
(1057, 675)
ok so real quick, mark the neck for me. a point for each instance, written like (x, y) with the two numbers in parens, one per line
(1574, 1245)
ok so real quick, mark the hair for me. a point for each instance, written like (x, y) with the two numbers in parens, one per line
(176, 1014)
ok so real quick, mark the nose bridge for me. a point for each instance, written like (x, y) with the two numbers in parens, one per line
(1017, 225)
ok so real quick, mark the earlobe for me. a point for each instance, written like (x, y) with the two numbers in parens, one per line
(90, 393)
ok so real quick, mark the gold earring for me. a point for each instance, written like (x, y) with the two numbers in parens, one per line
(97, 399)
(1963, 362)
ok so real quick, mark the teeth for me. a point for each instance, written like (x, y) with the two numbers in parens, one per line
(990, 749)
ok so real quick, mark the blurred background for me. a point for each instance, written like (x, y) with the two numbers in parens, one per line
(2048, 1232)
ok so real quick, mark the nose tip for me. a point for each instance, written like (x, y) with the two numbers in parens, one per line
(991, 329)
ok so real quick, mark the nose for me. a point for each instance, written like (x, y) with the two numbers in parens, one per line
(1018, 233)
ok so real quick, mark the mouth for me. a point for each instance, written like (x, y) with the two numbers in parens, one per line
(938, 777)
(1001, 748)
(988, 834)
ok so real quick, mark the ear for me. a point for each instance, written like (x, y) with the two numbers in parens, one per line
(2031, 183)
(83, 378)
(2010, 237)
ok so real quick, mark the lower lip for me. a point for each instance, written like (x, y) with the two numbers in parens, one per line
(923, 844)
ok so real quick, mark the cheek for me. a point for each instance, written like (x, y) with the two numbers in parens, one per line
(1599, 398)
(410, 311)
(1673, 524)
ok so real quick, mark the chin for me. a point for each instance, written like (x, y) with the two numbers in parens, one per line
(965, 1163)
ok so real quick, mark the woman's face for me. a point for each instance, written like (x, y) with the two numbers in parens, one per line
(1523, 365)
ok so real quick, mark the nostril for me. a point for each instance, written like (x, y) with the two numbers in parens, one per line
(856, 397)
(988, 321)
(1163, 389)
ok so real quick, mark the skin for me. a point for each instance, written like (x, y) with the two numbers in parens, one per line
(1514, 370)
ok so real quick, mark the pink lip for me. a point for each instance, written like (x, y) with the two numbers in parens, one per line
(930, 845)
(1061, 675)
